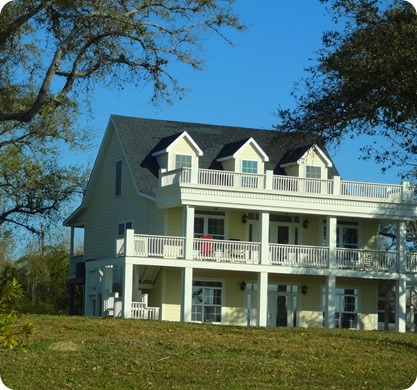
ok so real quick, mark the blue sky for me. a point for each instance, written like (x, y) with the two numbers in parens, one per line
(243, 85)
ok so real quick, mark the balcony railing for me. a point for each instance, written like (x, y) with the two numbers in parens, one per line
(141, 312)
(299, 255)
(367, 260)
(230, 251)
(279, 254)
(279, 183)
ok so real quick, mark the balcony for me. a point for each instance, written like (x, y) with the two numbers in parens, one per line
(241, 252)
(287, 184)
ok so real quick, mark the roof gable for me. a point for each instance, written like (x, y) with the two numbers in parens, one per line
(231, 150)
(299, 154)
(168, 143)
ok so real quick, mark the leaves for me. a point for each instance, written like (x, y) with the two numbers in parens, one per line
(364, 82)
(53, 53)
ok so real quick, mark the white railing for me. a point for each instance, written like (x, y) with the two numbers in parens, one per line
(176, 176)
(159, 246)
(411, 262)
(281, 183)
(367, 260)
(299, 255)
(297, 184)
(230, 179)
(229, 251)
(371, 190)
(140, 311)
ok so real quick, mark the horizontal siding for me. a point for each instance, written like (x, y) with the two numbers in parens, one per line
(106, 211)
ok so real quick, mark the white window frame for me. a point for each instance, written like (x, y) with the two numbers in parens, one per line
(206, 217)
(339, 296)
(123, 226)
(313, 166)
(249, 160)
(202, 305)
(182, 155)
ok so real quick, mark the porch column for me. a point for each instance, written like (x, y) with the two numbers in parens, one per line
(136, 295)
(401, 246)
(89, 284)
(127, 290)
(400, 305)
(262, 298)
(106, 290)
(265, 239)
(332, 240)
(186, 293)
(330, 307)
(188, 231)
(72, 241)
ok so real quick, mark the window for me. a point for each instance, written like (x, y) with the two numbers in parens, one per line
(249, 181)
(182, 161)
(249, 166)
(123, 227)
(119, 168)
(209, 225)
(346, 307)
(347, 235)
(313, 172)
(206, 301)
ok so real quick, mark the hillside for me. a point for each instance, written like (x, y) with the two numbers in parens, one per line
(95, 353)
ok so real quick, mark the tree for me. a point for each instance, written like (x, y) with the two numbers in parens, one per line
(52, 54)
(364, 82)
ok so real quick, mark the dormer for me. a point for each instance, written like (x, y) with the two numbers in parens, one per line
(178, 151)
(307, 162)
(244, 156)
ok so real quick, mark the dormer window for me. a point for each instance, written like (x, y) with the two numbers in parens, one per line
(249, 166)
(183, 161)
(313, 172)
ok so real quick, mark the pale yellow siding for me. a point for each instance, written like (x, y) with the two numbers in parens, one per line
(314, 159)
(182, 146)
(249, 152)
(172, 295)
(292, 170)
(229, 165)
(175, 222)
(106, 210)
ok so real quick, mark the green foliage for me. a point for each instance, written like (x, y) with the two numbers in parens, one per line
(53, 53)
(363, 82)
(12, 333)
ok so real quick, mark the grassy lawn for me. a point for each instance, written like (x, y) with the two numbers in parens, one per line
(97, 353)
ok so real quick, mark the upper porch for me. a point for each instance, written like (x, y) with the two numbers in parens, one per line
(206, 187)
(165, 249)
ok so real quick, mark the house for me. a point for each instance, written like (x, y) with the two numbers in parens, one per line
(227, 225)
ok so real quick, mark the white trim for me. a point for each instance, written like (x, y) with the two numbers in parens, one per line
(252, 141)
(181, 136)
(181, 154)
(327, 161)
(252, 160)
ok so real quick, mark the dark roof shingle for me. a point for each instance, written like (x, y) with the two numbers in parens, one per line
(142, 137)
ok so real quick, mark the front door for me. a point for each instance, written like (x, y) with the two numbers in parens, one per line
(283, 233)
(283, 307)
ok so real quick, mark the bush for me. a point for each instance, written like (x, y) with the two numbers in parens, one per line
(12, 333)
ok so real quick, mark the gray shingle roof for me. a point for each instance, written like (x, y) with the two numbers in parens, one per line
(142, 137)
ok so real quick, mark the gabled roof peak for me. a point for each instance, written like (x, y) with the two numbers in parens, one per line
(232, 149)
(167, 143)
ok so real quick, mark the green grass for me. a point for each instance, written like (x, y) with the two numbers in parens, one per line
(96, 353)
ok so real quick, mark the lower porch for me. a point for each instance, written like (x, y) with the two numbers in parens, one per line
(248, 298)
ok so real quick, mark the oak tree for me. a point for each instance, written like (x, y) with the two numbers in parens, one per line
(52, 55)
(363, 82)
